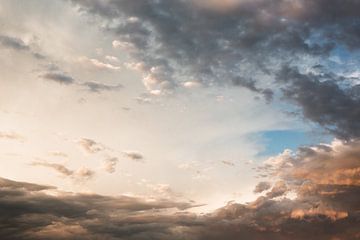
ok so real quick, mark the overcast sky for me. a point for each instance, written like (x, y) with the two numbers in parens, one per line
(179, 119)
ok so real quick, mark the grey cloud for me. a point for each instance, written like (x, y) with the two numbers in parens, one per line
(99, 87)
(242, 43)
(136, 156)
(19, 45)
(28, 212)
(58, 77)
(323, 101)
(261, 187)
(203, 40)
(14, 43)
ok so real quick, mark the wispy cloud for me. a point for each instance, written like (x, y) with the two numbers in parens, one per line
(80, 175)
(12, 136)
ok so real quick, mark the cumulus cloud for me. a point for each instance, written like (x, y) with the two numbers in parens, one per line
(337, 163)
(80, 175)
(324, 178)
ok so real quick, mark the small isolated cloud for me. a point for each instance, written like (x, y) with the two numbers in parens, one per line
(80, 175)
(12, 136)
(110, 164)
(58, 77)
(91, 146)
(99, 87)
(133, 155)
(261, 187)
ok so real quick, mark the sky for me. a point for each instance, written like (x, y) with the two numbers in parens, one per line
(179, 119)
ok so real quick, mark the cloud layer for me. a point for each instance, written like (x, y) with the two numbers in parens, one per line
(244, 43)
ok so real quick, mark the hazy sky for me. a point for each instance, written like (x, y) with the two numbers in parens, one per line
(147, 117)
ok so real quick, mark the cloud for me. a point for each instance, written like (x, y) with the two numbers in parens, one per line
(80, 175)
(11, 136)
(229, 163)
(279, 189)
(111, 58)
(99, 87)
(261, 187)
(90, 146)
(58, 154)
(99, 64)
(30, 211)
(13, 43)
(58, 77)
(110, 164)
(136, 156)
(323, 101)
(18, 44)
(242, 43)
(337, 163)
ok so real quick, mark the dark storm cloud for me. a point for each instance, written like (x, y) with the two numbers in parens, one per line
(58, 77)
(323, 101)
(28, 211)
(242, 43)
